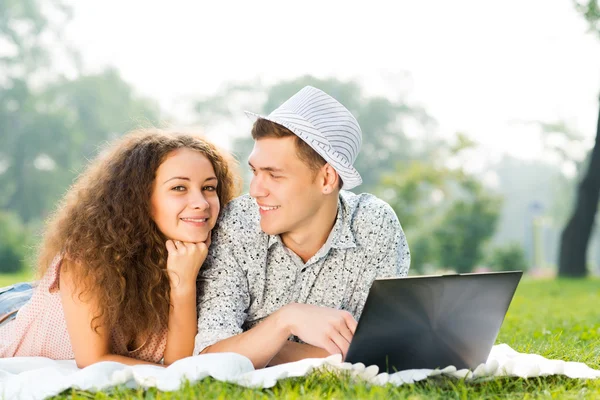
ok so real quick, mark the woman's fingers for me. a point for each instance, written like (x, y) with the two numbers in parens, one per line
(184, 246)
(171, 246)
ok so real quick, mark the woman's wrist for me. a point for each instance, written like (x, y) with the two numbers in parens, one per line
(182, 291)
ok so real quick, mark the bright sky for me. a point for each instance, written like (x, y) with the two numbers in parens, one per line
(476, 66)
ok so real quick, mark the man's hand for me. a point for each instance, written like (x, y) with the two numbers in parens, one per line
(327, 328)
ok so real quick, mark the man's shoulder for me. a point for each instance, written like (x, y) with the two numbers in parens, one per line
(239, 218)
(366, 208)
(243, 203)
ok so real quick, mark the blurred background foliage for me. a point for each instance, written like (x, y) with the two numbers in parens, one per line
(505, 215)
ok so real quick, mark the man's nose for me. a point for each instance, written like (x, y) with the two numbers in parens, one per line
(257, 187)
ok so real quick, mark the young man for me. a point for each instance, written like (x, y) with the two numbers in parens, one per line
(296, 257)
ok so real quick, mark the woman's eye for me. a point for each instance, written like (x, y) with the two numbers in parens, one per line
(210, 188)
(178, 188)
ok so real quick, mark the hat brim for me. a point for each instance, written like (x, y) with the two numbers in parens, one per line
(350, 176)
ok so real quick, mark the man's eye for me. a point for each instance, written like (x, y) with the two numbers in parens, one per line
(275, 176)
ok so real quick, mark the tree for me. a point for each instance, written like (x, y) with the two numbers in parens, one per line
(58, 130)
(23, 126)
(447, 214)
(466, 226)
(576, 234)
(590, 9)
(24, 26)
(99, 107)
(14, 242)
(49, 127)
(531, 188)
(510, 257)
(384, 122)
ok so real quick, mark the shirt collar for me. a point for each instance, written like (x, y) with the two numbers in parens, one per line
(273, 239)
(341, 236)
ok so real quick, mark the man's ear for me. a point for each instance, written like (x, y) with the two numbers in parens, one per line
(330, 179)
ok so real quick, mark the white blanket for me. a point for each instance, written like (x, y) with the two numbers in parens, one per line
(37, 377)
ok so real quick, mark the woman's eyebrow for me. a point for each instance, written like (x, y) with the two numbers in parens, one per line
(185, 178)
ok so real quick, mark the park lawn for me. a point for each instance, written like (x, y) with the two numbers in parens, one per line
(554, 318)
(9, 279)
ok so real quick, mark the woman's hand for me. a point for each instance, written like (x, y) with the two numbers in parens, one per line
(184, 262)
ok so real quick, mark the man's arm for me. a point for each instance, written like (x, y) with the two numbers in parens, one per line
(223, 293)
(393, 247)
(322, 327)
(259, 344)
(389, 257)
(224, 299)
(294, 351)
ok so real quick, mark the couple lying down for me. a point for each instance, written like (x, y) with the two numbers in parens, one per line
(151, 257)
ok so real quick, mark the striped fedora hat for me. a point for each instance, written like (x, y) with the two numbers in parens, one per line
(326, 125)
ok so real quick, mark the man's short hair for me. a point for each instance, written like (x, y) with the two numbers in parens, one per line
(263, 128)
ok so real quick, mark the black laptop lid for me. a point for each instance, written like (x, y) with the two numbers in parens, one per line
(432, 321)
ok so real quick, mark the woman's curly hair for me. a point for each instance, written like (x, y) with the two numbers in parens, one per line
(104, 230)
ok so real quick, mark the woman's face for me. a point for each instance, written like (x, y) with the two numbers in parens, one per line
(184, 201)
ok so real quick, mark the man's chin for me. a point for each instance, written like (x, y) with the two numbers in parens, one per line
(269, 230)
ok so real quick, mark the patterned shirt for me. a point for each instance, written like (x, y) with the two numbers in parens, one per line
(248, 274)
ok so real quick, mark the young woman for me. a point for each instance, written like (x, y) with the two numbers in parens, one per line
(120, 256)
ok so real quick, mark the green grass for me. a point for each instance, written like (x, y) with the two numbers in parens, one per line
(557, 319)
(9, 279)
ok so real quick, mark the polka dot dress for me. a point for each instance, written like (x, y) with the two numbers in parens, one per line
(40, 328)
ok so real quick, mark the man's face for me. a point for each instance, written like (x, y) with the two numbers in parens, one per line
(285, 188)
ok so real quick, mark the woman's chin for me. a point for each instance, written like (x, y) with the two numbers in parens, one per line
(192, 238)
(190, 235)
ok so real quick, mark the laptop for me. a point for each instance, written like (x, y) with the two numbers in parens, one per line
(432, 321)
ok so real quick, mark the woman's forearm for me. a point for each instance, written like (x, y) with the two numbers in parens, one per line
(182, 325)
